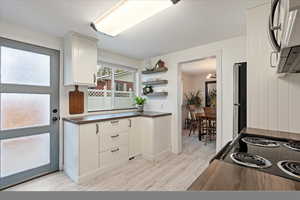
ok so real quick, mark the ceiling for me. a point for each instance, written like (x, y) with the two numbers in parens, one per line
(203, 66)
(188, 23)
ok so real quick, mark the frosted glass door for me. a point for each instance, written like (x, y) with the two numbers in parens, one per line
(29, 113)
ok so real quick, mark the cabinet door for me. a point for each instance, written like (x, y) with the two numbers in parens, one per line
(135, 137)
(88, 149)
(85, 61)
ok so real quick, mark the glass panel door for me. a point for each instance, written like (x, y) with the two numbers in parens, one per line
(29, 111)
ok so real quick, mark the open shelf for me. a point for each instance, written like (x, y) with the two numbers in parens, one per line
(157, 94)
(158, 82)
(159, 70)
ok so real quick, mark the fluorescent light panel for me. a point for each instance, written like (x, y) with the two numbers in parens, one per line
(128, 13)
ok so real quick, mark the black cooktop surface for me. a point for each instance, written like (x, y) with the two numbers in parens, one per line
(259, 154)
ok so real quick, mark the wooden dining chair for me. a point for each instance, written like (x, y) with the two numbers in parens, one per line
(193, 123)
(209, 124)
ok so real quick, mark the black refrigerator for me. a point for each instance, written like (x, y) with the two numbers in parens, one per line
(239, 97)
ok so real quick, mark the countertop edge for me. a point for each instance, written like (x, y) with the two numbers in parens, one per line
(272, 133)
(130, 115)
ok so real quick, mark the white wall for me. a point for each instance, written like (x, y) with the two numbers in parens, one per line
(231, 51)
(194, 83)
(273, 102)
(23, 34)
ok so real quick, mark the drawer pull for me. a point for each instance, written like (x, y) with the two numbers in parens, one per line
(114, 122)
(115, 150)
(114, 136)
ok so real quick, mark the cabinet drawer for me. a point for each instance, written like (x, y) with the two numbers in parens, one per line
(115, 126)
(111, 140)
(113, 156)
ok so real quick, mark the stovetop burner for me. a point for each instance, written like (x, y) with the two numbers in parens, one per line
(293, 145)
(260, 142)
(292, 168)
(250, 160)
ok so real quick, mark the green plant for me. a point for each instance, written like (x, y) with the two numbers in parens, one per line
(213, 97)
(193, 98)
(139, 100)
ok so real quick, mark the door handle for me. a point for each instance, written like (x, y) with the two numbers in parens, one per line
(129, 123)
(54, 119)
(95, 78)
(97, 129)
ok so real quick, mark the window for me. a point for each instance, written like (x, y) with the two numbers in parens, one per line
(116, 88)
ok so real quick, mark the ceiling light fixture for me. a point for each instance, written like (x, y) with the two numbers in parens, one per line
(127, 13)
(209, 76)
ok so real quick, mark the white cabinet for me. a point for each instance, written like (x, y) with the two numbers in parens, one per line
(156, 136)
(135, 138)
(80, 60)
(93, 148)
(88, 149)
(80, 150)
(114, 142)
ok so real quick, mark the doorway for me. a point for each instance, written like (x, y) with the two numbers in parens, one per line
(199, 102)
(29, 119)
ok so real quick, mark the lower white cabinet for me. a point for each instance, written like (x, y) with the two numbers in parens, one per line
(93, 148)
(90, 149)
(156, 137)
(135, 137)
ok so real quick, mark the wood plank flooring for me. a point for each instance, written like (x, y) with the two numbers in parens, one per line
(171, 173)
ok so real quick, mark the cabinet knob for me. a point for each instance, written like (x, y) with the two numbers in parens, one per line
(115, 150)
(114, 136)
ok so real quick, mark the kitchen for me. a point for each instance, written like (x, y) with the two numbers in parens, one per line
(121, 134)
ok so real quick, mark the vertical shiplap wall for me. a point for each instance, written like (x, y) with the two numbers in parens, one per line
(273, 102)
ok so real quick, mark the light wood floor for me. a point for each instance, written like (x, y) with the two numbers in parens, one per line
(171, 173)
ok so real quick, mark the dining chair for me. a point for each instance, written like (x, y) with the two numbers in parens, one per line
(193, 122)
(209, 124)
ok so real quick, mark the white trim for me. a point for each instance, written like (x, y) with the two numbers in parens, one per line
(114, 66)
(178, 140)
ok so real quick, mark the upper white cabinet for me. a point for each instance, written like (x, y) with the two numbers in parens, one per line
(80, 60)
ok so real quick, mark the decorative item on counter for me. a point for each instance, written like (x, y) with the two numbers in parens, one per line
(139, 101)
(159, 65)
(148, 65)
(76, 101)
(147, 89)
(193, 100)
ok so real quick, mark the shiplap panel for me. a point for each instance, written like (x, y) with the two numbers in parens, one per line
(273, 102)
(294, 103)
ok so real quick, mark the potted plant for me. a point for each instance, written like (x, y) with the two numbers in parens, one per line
(139, 101)
(193, 100)
(213, 97)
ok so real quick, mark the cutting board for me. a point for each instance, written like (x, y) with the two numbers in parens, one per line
(76, 101)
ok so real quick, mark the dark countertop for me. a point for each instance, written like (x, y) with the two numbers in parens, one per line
(104, 117)
(225, 176)
(270, 133)
(221, 175)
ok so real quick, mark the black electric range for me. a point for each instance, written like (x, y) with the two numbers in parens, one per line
(280, 157)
